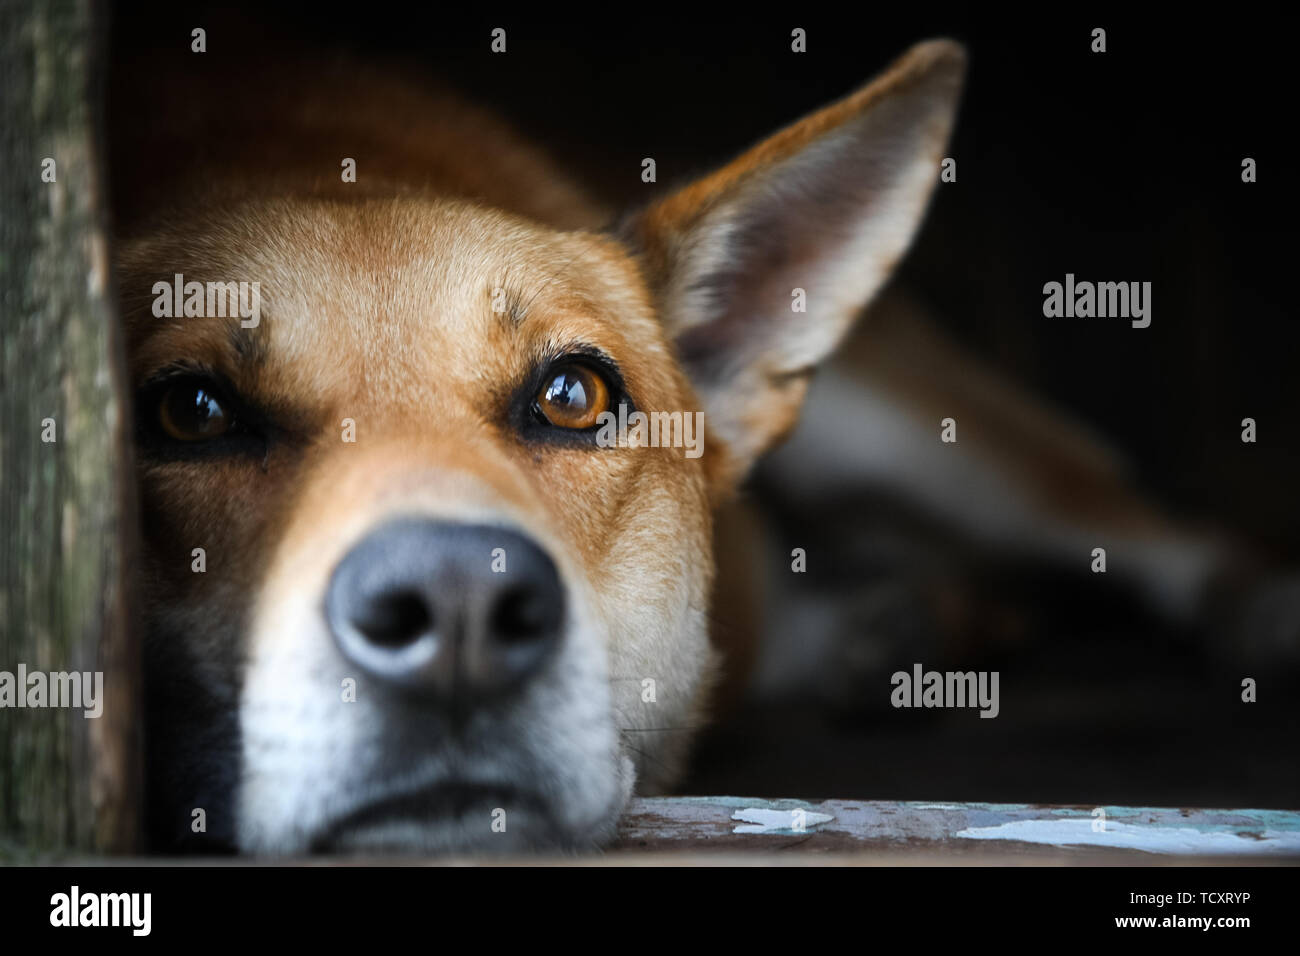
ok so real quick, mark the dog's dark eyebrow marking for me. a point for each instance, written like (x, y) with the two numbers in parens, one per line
(249, 345)
(514, 308)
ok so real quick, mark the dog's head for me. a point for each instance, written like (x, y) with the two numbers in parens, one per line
(405, 586)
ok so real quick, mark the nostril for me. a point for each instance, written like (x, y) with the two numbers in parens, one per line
(521, 615)
(394, 619)
(417, 605)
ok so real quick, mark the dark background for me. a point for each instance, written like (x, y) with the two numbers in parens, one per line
(1123, 165)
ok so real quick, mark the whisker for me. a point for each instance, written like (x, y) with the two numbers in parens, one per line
(653, 760)
(545, 285)
(659, 730)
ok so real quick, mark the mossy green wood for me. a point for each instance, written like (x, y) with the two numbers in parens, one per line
(67, 783)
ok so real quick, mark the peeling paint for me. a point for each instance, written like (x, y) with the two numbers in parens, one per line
(1153, 839)
(856, 825)
(779, 821)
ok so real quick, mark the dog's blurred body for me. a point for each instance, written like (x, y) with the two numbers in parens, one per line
(356, 462)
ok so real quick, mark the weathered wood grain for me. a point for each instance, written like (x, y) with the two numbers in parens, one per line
(66, 782)
(725, 825)
(711, 831)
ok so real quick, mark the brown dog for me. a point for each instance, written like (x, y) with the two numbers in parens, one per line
(429, 508)
(402, 591)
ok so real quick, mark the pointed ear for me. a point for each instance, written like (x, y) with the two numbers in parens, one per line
(827, 206)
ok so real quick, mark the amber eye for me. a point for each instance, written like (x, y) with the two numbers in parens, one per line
(190, 411)
(573, 397)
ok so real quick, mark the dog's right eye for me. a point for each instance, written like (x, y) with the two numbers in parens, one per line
(192, 410)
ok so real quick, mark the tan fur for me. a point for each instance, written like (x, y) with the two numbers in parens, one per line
(377, 307)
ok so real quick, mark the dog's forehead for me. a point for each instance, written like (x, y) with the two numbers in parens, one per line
(406, 275)
(392, 301)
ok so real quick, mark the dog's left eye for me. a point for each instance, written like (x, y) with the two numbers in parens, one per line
(573, 397)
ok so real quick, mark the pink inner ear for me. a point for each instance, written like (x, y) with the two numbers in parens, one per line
(761, 267)
(794, 228)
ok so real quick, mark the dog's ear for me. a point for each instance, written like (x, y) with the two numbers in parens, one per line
(826, 206)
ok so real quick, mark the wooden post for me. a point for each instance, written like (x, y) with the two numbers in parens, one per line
(67, 783)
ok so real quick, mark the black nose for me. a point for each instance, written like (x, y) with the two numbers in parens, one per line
(460, 612)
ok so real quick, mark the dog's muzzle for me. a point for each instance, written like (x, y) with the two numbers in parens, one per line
(443, 689)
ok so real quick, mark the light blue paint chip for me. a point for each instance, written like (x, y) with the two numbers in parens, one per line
(1153, 839)
(762, 820)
